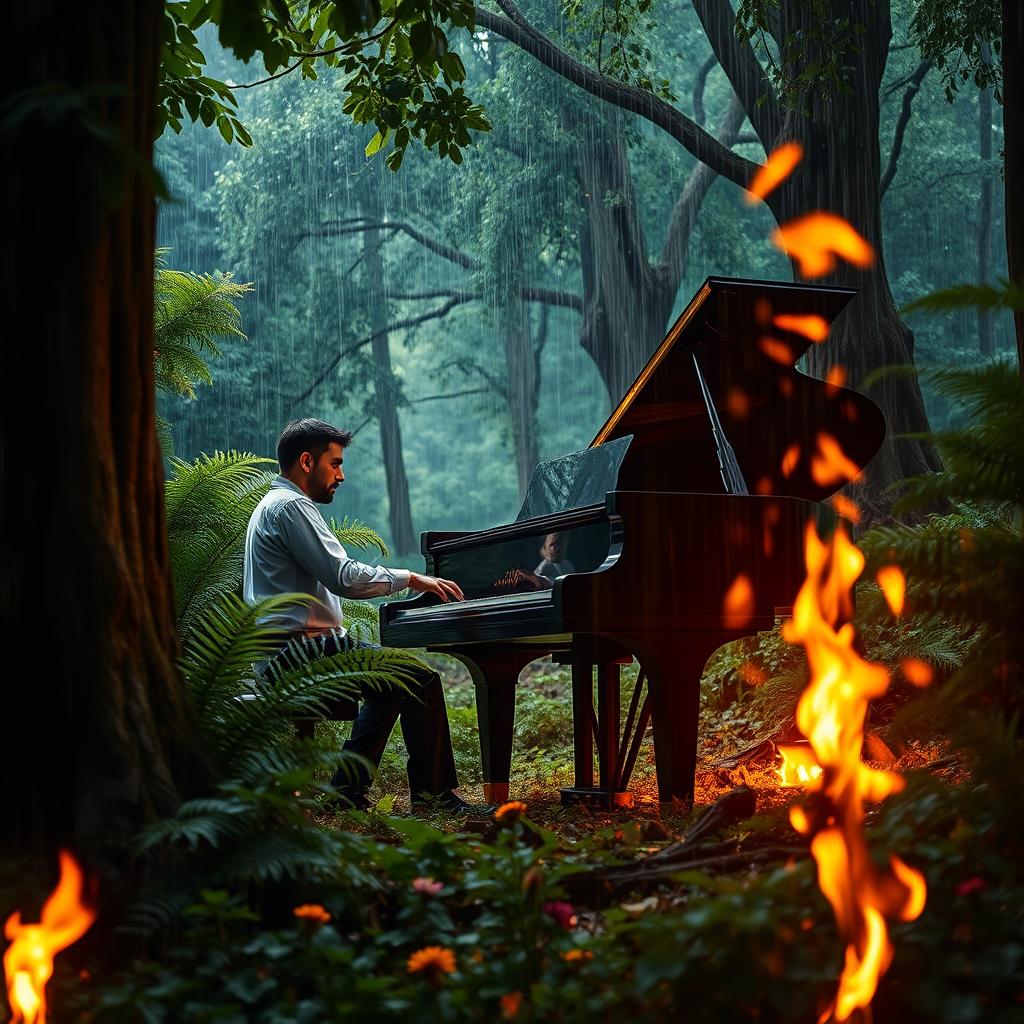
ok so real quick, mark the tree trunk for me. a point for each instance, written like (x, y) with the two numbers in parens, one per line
(1013, 152)
(626, 301)
(100, 732)
(386, 387)
(985, 216)
(840, 173)
(522, 375)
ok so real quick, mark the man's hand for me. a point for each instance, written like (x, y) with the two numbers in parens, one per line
(447, 590)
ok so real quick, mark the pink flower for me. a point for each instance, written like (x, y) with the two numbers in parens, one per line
(563, 914)
(972, 885)
(427, 885)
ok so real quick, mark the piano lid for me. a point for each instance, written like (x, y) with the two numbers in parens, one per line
(771, 414)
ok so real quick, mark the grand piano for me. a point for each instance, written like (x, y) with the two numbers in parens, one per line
(679, 529)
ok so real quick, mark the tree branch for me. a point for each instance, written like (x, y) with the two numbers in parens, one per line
(453, 394)
(741, 67)
(354, 225)
(698, 89)
(684, 214)
(434, 314)
(354, 46)
(552, 298)
(627, 97)
(901, 125)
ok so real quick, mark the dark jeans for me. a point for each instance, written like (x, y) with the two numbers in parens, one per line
(424, 718)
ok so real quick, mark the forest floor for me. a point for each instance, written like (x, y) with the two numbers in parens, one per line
(543, 763)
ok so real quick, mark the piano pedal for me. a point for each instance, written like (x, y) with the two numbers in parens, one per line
(595, 796)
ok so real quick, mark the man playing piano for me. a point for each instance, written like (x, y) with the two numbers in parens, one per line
(290, 549)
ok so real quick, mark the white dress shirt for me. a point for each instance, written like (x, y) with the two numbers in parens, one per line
(290, 549)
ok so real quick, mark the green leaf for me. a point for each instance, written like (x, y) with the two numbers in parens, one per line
(378, 140)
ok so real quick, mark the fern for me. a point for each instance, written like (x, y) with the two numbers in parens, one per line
(209, 503)
(1004, 295)
(190, 312)
(358, 535)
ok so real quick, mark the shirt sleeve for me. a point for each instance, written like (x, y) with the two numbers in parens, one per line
(313, 545)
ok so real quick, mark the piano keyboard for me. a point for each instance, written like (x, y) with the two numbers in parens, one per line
(481, 603)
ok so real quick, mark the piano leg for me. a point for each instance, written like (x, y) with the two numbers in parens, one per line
(495, 673)
(673, 675)
(583, 724)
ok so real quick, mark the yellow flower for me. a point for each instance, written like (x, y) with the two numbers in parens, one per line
(576, 955)
(312, 912)
(510, 813)
(432, 960)
(510, 1003)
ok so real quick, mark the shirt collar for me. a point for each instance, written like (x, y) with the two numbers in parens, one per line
(281, 481)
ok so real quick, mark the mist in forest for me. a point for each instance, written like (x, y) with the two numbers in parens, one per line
(437, 311)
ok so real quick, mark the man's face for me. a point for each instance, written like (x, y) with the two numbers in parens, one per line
(554, 547)
(325, 475)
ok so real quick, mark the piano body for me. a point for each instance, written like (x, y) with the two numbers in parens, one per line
(701, 475)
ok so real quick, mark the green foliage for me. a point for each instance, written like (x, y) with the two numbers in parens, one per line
(963, 38)
(190, 312)
(967, 566)
(812, 59)
(209, 503)
(408, 86)
(1004, 295)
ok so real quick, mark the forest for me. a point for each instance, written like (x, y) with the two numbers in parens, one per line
(772, 770)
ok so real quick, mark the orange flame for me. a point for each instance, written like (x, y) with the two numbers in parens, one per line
(916, 671)
(777, 351)
(776, 169)
(790, 458)
(835, 379)
(738, 603)
(831, 715)
(894, 586)
(846, 508)
(798, 766)
(809, 325)
(830, 464)
(28, 962)
(816, 239)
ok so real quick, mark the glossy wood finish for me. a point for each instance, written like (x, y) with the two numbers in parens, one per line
(677, 542)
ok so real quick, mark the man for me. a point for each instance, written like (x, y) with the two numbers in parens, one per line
(290, 549)
(553, 561)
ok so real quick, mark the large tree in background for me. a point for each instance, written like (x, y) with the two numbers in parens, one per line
(834, 112)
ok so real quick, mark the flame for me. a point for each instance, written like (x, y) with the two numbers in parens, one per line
(775, 170)
(776, 350)
(738, 403)
(28, 962)
(830, 464)
(894, 586)
(916, 671)
(846, 508)
(738, 603)
(835, 379)
(790, 458)
(831, 715)
(809, 325)
(816, 239)
(798, 767)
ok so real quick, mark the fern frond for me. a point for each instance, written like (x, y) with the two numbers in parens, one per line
(1004, 295)
(190, 312)
(352, 533)
(209, 503)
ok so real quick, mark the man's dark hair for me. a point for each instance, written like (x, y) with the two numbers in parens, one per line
(307, 435)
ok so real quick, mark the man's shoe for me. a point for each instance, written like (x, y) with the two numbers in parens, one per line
(451, 803)
(348, 800)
